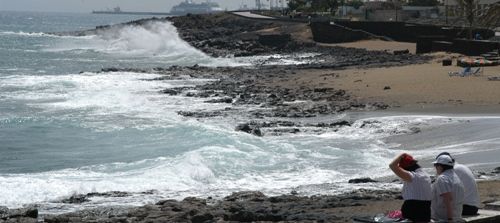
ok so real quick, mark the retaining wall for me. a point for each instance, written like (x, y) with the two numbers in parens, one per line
(327, 33)
(428, 37)
(474, 47)
(409, 32)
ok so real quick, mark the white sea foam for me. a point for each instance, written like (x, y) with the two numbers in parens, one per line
(103, 97)
(193, 173)
(158, 40)
(152, 39)
(196, 173)
(235, 162)
(41, 34)
(380, 127)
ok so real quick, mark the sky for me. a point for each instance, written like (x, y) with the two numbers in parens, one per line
(89, 5)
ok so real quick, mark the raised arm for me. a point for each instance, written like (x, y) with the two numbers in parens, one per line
(400, 172)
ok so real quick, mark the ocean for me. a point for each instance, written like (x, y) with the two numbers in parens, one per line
(66, 128)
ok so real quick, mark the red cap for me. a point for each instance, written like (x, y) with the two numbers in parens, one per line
(406, 161)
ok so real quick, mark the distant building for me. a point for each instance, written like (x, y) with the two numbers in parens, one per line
(345, 11)
(273, 4)
(421, 11)
(383, 11)
(453, 9)
(382, 5)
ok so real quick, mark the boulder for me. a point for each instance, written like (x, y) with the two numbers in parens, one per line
(20, 215)
(4, 212)
(361, 180)
(246, 196)
(401, 52)
(496, 170)
(170, 92)
(250, 129)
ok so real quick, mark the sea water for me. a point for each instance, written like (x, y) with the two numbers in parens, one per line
(67, 129)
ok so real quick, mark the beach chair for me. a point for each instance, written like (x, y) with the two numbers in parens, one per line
(468, 71)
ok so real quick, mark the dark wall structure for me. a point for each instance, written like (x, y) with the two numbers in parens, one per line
(451, 39)
(408, 32)
(474, 47)
(324, 32)
(275, 40)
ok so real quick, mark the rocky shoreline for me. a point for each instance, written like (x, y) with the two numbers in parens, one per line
(245, 206)
(267, 102)
(278, 105)
(249, 206)
(274, 100)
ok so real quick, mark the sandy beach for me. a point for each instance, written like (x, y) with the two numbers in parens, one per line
(419, 87)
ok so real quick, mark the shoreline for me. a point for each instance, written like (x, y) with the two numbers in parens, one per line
(334, 86)
(246, 206)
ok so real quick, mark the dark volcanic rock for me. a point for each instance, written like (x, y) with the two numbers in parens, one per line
(170, 92)
(361, 180)
(246, 206)
(496, 170)
(76, 199)
(200, 114)
(223, 34)
(221, 100)
(249, 128)
(246, 196)
(401, 52)
(4, 212)
(81, 198)
(23, 215)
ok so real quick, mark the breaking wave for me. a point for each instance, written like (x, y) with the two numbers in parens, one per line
(155, 39)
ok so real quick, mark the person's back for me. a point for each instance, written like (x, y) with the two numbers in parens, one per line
(471, 194)
(447, 182)
(417, 192)
(419, 188)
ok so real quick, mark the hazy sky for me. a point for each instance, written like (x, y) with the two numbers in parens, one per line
(89, 5)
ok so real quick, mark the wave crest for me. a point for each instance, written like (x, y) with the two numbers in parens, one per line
(154, 38)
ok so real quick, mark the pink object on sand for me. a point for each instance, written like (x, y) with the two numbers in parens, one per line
(396, 214)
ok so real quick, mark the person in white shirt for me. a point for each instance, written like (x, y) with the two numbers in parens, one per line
(447, 192)
(471, 196)
(417, 193)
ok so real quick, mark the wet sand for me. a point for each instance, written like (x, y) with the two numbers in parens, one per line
(379, 45)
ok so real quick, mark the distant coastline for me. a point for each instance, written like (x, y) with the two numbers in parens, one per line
(130, 13)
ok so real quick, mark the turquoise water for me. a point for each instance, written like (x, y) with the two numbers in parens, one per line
(66, 129)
